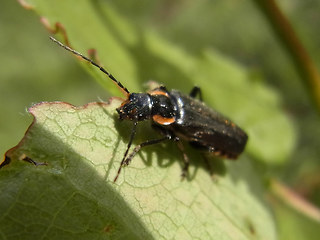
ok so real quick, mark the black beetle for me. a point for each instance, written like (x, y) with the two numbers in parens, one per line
(177, 117)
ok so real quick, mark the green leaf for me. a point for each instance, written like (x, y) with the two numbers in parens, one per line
(74, 195)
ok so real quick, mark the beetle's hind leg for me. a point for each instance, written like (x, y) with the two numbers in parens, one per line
(208, 165)
(170, 136)
(186, 160)
(196, 91)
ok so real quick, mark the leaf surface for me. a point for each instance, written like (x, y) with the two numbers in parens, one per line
(74, 196)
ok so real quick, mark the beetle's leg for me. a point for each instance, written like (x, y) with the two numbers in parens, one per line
(133, 133)
(186, 160)
(180, 146)
(196, 91)
(208, 165)
(144, 144)
(126, 160)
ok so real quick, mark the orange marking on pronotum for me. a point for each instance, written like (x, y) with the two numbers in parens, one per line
(159, 92)
(162, 120)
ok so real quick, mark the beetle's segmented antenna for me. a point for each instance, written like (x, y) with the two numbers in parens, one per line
(93, 63)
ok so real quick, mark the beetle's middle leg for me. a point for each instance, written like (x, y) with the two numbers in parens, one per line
(171, 136)
(186, 160)
(126, 160)
(196, 91)
(144, 144)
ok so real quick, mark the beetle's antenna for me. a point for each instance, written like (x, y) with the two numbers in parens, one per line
(93, 63)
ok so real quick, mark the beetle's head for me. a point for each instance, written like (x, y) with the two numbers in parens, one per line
(137, 107)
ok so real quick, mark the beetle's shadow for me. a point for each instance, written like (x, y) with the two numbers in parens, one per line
(168, 151)
(144, 133)
(199, 159)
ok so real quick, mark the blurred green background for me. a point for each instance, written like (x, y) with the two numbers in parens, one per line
(32, 71)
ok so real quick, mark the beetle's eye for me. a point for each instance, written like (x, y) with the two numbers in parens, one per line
(132, 97)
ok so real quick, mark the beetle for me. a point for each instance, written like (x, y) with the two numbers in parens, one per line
(178, 117)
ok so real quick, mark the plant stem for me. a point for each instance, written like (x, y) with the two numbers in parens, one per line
(294, 200)
(304, 64)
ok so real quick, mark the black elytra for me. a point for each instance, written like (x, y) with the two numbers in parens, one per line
(178, 117)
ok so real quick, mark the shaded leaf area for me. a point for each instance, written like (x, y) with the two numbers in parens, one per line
(136, 55)
(74, 196)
